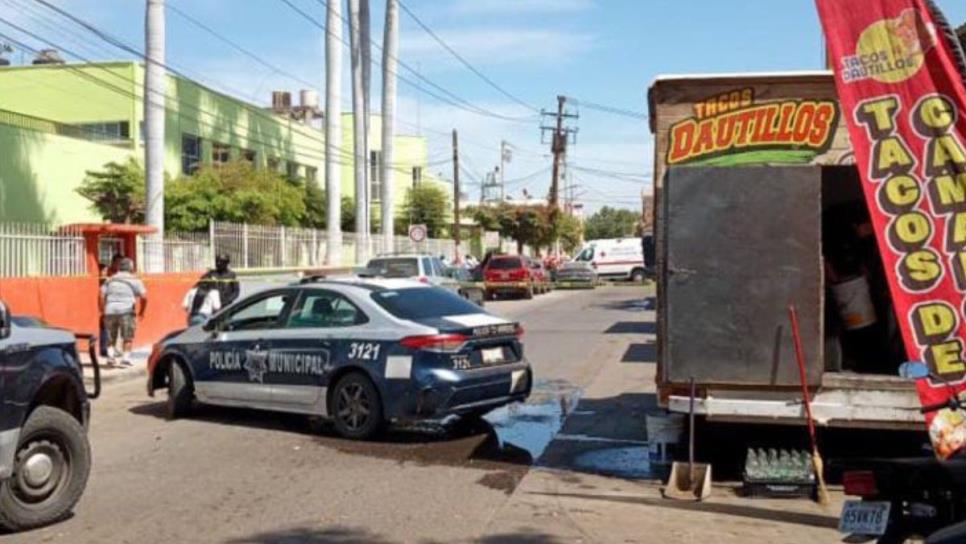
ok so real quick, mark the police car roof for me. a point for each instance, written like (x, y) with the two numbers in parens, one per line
(371, 284)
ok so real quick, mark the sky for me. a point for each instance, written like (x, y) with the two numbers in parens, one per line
(599, 51)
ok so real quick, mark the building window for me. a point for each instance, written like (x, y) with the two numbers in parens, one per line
(220, 153)
(292, 170)
(249, 156)
(190, 153)
(311, 174)
(417, 175)
(112, 131)
(375, 176)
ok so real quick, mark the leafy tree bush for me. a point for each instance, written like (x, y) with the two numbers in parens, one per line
(116, 192)
(610, 222)
(236, 192)
(425, 204)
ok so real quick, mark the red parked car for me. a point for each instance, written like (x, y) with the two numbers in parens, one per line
(508, 274)
(541, 277)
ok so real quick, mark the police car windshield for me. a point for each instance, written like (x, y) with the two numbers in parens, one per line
(423, 303)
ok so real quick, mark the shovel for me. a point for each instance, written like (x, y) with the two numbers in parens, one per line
(691, 482)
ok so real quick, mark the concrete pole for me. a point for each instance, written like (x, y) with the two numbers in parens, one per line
(365, 42)
(154, 95)
(390, 47)
(358, 132)
(333, 133)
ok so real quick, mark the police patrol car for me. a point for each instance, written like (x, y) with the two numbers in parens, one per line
(361, 352)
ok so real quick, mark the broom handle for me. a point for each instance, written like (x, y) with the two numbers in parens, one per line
(800, 358)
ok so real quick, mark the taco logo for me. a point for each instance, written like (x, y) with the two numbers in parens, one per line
(732, 128)
(890, 50)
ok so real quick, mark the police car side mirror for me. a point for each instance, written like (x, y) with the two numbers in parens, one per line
(4, 321)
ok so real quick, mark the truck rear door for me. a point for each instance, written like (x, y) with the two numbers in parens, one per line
(742, 243)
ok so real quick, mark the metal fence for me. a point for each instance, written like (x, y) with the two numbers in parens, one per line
(32, 249)
(41, 250)
(254, 246)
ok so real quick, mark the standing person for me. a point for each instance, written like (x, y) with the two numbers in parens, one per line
(224, 279)
(123, 296)
(201, 302)
(106, 271)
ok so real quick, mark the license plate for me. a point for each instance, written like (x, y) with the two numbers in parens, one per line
(504, 275)
(492, 355)
(864, 517)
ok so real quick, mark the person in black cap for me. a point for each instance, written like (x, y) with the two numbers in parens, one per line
(224, 281)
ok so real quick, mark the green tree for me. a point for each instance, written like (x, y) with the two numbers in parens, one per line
(570, 232)
(315, 214)
(610, 222)
(425, 204)
(116, 192)
(236, 192)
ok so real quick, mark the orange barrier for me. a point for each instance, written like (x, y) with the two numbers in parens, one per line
(71, 302)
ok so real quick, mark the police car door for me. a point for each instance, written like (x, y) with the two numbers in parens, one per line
(235, 368)
(317, 335)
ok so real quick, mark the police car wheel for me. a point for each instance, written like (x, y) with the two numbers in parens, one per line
(51, 466)
(180, 392)
(356, 407)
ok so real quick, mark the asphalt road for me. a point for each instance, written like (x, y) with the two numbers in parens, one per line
(240, 476)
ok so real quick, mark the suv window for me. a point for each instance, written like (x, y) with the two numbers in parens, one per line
(427, 266)
(438, 268)
(325, 309)
(505, 263)
(395, 268)
(263, 313)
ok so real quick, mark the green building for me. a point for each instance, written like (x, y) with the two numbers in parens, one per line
(59, 121)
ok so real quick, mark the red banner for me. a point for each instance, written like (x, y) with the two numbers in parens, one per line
(904, 98)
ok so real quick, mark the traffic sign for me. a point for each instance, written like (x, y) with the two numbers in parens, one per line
(417, 233)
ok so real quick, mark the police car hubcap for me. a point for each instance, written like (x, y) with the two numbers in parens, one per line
(353, 407)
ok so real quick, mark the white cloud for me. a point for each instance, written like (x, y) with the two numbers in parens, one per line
(477, 7)
(498, 45)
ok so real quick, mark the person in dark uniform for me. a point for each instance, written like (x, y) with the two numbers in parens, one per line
(224, 280)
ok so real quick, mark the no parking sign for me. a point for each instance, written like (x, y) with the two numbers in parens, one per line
(417, 233)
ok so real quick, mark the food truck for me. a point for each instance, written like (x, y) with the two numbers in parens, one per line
(758, 205)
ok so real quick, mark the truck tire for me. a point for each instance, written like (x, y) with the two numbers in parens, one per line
(356, 408)
(528, 292)
(180, 392)
(51, 466)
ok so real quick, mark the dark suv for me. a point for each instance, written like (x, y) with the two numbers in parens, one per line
(45, 457)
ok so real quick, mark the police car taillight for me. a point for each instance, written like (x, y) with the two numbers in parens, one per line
(435, 342)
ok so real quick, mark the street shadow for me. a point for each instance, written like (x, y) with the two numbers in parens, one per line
(638, 304)
(632, 327)
(640, 353)
(305, 535)
(739, 510)
(526, 537)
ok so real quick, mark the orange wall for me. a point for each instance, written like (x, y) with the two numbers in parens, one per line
(71, 302)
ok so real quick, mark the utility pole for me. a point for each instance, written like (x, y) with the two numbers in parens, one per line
(154, 97)
(456, 197)
(559, 147)
(359, 132)
(365, 42)
(333, 132)
(390, 46)
(505, 157)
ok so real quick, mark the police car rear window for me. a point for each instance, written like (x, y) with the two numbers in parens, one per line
(423, 303)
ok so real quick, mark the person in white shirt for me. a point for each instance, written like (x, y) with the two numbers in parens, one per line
(201, 302)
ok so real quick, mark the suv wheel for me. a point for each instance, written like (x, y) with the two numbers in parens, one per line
(637, 275)
(356, 407)
(180, 392)
(51, 466)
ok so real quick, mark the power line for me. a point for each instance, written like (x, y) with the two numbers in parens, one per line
(614, 110)
(465, 62)
(454, 100)
(237, 47)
